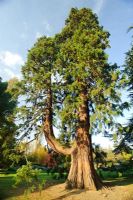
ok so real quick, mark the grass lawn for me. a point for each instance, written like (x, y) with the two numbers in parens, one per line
(6, 185)
(121, 189)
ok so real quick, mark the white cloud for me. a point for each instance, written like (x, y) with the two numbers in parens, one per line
(99, 4)
(10, 65)
(10, 59)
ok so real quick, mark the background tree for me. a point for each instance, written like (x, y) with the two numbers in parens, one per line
(38, 154)
(129, 72)
(100, 156)
(126, 132)
(67, 81)
(7, 123)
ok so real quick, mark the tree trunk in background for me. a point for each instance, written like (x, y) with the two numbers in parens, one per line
(82, 173)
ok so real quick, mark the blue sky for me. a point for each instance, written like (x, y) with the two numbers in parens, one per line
(23, 21)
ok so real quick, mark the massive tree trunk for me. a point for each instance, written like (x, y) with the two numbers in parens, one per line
(82, 173)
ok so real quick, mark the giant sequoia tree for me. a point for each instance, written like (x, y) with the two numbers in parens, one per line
(67, 81)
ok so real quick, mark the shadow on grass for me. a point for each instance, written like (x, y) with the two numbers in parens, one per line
(123, 181)
(7, 189)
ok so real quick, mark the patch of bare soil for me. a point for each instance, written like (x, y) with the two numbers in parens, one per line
(58, 192)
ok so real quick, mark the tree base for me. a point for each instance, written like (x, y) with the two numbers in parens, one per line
(82, 174)
(70, 185)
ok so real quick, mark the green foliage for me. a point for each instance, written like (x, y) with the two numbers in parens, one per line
(30, 177)
(129, 72)
(99, 156)
(108, 174)
(59, 176)
(114, 174)
(66, 65)
(83, 66)
(37, 74)
(26, 174)
(7, 123)
(126, 132)
(62, 163)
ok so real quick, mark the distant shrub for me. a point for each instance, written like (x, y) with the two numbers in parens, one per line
(58, 176)
(120, 174)
(110, 173)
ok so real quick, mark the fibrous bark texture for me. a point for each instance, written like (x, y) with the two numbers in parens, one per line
(82, 173)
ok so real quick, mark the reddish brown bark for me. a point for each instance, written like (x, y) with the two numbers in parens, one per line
(48, 128)
(82, 173)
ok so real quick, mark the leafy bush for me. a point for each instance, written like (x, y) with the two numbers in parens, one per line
(29, 177)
